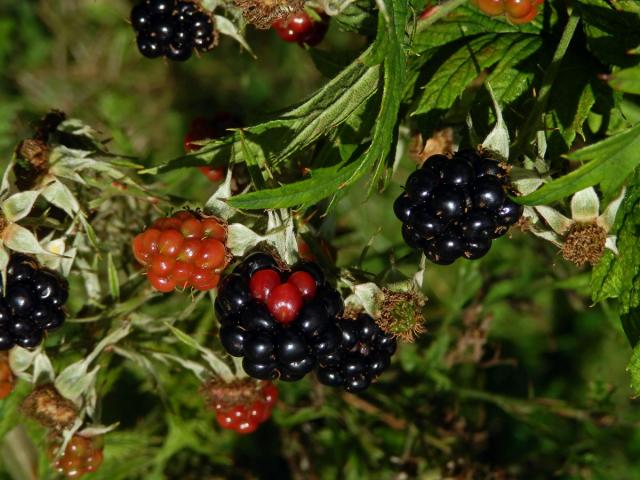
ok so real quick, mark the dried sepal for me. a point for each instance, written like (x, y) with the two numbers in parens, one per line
(46, 406)
(221, 394)
(262, 13)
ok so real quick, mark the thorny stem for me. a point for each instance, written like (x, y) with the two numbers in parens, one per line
(532, 123)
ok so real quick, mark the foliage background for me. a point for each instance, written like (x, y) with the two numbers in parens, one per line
(518, 376)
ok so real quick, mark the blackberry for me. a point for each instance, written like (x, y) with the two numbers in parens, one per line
(456, 207)
(364, 353)
(279, 320)
(172, 29)
(32, 304)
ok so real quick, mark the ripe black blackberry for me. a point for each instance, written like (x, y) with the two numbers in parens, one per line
(365, 352)
(279, 320)
(172, 29)
(32, 303)
(455, 207)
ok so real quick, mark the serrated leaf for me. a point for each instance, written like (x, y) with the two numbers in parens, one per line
(457, 72)
(610, 162)
(19, 205)
(19, 239)
(324, 182)
(619, 276)
(510, 78)
(298, 127)
(465, 22)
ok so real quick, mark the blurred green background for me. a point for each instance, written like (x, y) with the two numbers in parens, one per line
(518, 375)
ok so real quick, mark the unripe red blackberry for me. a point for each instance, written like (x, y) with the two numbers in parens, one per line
(300, 27)
(242, 405)
(184, 250)
(81, 456)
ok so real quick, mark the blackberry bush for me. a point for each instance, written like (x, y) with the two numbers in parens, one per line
(33, 304)
(455, 207)
(498, 372)
(279, 320)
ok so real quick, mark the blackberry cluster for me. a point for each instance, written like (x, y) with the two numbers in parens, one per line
(172, 29)
(281, 321)
(32, 304)
(365, 352)
(455, 207)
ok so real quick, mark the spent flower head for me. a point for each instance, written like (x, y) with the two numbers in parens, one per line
(584, 237)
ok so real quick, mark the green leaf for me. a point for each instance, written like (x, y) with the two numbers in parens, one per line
(634, 370)
(324, 182)
(626, 80)
(455, 74)
(631, 325)
(612, 30)
(610, 162)
(619, 276)
(464, 22)
(298, 127)
(112, 274)
(511, 76)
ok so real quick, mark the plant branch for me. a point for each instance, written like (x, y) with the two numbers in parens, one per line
(533, 121)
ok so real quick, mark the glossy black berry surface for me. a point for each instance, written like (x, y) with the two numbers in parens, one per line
(364, 352)
(270, 347)
(171, 29)
(32, 304)
(454, 207)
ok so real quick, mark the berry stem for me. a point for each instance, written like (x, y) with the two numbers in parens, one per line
(441, 11)
(532, 124)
